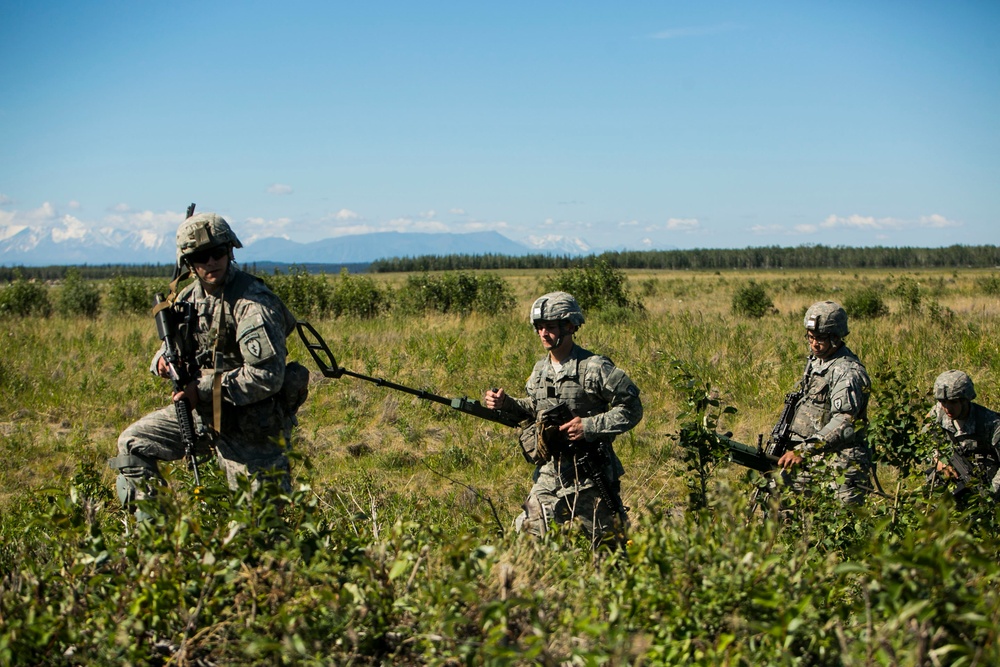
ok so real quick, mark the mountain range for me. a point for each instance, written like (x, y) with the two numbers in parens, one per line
(45, 246)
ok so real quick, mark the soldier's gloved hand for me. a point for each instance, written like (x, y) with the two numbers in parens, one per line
(789, 460)
(573, 429)
(190, 394)
(494, 398)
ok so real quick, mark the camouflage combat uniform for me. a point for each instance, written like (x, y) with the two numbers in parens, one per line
(256, 422)
(977, 438)
(835, 398)
(607, 402)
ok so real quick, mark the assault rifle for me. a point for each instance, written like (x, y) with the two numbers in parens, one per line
(173, 326)
(590, 458)
(764, 457)
(327, 364)
(962, 480)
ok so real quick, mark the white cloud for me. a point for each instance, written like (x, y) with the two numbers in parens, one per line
(345, 214)
(279, 189)
(74, 229)
(453, 211)
(121, 208)
(4, 200)
(938, 221)
(74, 205)
(683, 224)
(767, 229)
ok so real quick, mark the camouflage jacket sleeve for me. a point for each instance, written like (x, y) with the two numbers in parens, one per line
(260, 336)
(525, 408)
(849, 390)
(606, 380)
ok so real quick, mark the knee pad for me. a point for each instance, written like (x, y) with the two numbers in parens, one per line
(535, 518)
(126, 490)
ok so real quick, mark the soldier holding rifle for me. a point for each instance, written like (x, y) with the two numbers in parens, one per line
(973, 432)
(834, 400)
(227, 360)
(577, 404)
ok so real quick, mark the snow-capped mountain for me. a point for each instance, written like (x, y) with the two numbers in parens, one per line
(70, 242)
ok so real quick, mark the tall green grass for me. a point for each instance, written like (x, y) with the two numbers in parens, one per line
(399, 550)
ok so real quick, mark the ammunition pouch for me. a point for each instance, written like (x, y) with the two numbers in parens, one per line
(541, 440)
(295, 388)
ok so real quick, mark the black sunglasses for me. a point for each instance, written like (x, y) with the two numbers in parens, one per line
(212, 253)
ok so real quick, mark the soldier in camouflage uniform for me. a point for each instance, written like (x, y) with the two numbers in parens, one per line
(239, 349)
(972, 430)
(835, 400)
(604, 403)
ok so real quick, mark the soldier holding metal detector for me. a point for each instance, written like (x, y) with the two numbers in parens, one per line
(577, 404)
(224, 350)
(973, 433)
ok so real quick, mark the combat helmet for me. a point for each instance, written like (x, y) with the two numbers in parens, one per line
(826, 318)
(203, 232)
(952, 385)
(556, 306)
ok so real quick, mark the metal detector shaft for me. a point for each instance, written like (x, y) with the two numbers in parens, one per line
(327, 364)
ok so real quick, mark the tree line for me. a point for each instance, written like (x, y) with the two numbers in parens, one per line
(769, 257)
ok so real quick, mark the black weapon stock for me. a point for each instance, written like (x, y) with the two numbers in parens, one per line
(327, 364)
(174, 356)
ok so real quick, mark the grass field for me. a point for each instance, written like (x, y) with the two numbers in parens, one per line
(411, 497)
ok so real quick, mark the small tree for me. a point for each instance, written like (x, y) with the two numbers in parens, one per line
(24, 297)
(865, 304)
(596, 287)
(128, 295)
(78, 296)
(751, 300)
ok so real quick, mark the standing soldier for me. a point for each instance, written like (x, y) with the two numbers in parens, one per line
(835, 399)
(972, 430)
(242, 395)
(576, 469)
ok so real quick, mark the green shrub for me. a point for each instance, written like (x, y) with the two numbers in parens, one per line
(25, 297)
(750, 300)
(596, 286)
(306, 295)
(129, 295)
(78, 296)
(358, 296)
(865, 304)
(909, 294)
(989, 285)
(455, 292)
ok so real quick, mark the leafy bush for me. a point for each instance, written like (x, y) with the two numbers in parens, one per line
(896, 415)
(865, 304)
(78, 296)
(129, 295)
(455, 292)
(305, 294)
(989, 285)
(750, 300)
(909, 294)
(23, 298)
(597, 286)
(358, 296)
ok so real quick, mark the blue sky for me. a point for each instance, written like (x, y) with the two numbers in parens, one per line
(641, 124)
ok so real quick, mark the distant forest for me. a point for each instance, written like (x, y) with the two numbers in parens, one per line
(772, 257)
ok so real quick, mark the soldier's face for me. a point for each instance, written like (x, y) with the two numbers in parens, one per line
(210, 266)
(553, 333)
(821, 347)
(956, 408)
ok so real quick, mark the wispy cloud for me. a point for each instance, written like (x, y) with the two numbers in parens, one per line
(279, 189)
(4, 200)
(862, 223)
(697, 31)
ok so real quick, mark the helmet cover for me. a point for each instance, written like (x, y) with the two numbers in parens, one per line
(556, 306)
(952, 385)
(203, 232)
(826, 318)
